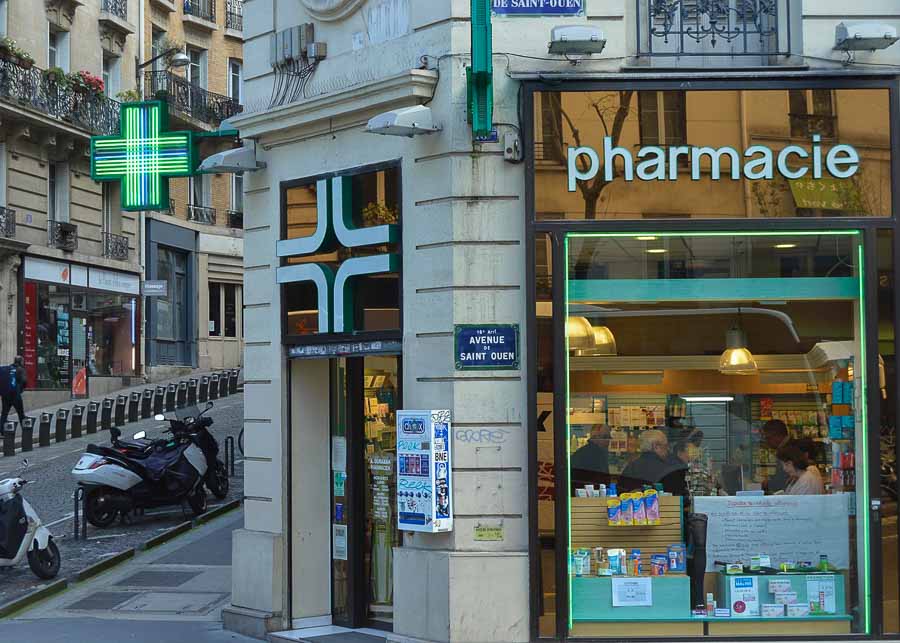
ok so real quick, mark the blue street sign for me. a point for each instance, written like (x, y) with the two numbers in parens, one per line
(537, 7)
(487, 346)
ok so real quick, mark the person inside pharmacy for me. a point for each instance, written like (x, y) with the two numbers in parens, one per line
(590, 463)
(775, 435)
(652, 465)
(804, 478)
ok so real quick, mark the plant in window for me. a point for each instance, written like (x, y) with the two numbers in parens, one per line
(85, 82)
(9, 50)
(56, 76)
(379, 214)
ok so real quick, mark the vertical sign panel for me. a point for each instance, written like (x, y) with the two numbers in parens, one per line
(424, 485)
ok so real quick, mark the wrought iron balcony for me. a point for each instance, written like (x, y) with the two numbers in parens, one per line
(234, 14)
(115, 246)
(713, 27)
(7, 223)
(201, 214)
(203, 9)
(235, 219)
(118, 8)
(189, 99)
(552, 152)
(32, 89)
(63, 236)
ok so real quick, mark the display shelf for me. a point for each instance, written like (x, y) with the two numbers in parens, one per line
(592, 600)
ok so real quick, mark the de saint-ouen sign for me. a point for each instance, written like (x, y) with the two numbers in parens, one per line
(653, 163)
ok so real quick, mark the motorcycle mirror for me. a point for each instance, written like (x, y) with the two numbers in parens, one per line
(140, 435)
(159, 417)
(209, 405)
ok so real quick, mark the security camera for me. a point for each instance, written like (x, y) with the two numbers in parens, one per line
(864, 36)
(576, 39)
(408, 121)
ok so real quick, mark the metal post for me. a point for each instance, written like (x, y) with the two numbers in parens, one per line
(62, 416)
(78, 518)
(106, 414)
(147, 403)
(158, 399)
(181, 395)
(214, 386)
(171, 390)
(27, 434)
(203, 391)
(9, 439)
(77, 418)
(229, 455)
(121, 406)
(233, 381)
(223, 384)
(134, 406)
(93, 409)
(44, 429)
(192, 391)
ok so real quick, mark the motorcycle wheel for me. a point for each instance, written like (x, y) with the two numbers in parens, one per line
(44, 562)
(95, 510)
(197, 500)
(218, 481)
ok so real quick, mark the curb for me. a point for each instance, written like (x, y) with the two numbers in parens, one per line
(7, 609)
(202, 519)
(166, 536)
(103, 565)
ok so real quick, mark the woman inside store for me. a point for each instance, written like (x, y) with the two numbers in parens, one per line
(803, 477)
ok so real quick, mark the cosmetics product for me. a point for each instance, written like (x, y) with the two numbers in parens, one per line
(613, 511)
(626, 510)
(638, 508)
(710, 605)
(658, 564)
(772, 610)
(677, 560)
(634, 567)
(651, 506)
(734, 568)
(798, 610)
(722, 612)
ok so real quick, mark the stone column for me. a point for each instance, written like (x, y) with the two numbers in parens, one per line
(9, 295)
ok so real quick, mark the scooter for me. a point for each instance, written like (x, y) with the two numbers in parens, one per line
(22, 534)
(117, 481)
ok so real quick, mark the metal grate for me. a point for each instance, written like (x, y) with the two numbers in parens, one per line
(115, 246)
(118, 8)
(201, 214)
(63, 235)
(7, 222)
(235, 219)
(189, 99)
(203, 9)
(101, 601)
(234, 14)
(157, 579)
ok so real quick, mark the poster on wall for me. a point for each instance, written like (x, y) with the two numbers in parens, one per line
(424, 485)
(30, 333)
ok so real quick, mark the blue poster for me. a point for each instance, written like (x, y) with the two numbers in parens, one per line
(537, 7)
(487, 346)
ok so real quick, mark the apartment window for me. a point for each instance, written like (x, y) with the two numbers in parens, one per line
(199, 190)
(157, 48)
(57, 49)
(215, 310)
(237, 192)
(4, 10)
(110, 76)
(230, 310)
(196, 70)
(812, 112)
(112, 214)
(58, 192)
(663, 118)
(2, 174)
(235, 79)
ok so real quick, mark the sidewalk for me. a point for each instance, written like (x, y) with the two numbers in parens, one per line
(171, 594)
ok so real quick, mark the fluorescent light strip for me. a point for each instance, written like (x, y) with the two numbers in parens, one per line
(708, 398)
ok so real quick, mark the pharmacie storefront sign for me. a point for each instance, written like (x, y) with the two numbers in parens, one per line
(757, 162)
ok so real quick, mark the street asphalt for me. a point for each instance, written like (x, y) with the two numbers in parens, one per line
(49, 469)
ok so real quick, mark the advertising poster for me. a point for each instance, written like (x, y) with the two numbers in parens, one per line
(744, 596)
(424, 485)
(30, 332)
(820, 593)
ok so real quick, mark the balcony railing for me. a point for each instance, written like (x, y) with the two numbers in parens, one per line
(7, 223)
(235, 219)
(115, 246)
(234, 14)
(30, 88)
(553, 152)
(201, 214)
(189, 99)
(713, 27)
(203, 9)
(63, 236)
(118, 8)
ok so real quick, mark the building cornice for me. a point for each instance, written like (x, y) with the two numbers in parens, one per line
(338, 110)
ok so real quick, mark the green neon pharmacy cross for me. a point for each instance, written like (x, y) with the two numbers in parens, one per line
(143, 156)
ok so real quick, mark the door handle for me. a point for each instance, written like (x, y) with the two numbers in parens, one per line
(875, 506)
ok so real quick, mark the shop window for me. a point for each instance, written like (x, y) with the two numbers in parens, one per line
(551, 144)
(48, 335)
(215, 310)
(230, 310)
(725, 154)
(663, 118)
(717, 406)
(171, 318)
(111, 334)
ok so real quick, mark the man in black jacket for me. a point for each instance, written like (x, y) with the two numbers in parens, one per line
(13, 399)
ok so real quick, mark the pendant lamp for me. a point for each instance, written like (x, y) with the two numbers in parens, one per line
(604, 341)
(580, 333)
(737, 358)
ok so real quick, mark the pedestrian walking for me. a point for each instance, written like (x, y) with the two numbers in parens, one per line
(12, 383)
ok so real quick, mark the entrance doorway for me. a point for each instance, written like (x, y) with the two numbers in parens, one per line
(365, 396)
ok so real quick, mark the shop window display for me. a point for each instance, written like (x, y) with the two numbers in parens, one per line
(716, 405)
(111, 334)
(52, 340)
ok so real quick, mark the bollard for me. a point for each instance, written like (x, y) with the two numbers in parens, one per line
(91, 422)
(27, 434)
(78, 519)
(170, 397)
(147, 403)
(214, 386)
(203, 390)
(9, 439)
(233, 381)
(134, 406)
(62, 416)
(121, 406)
(192, 392)
(223, 384)
(158, 399)
(106, 412)
(44, 429)
(181, 395)
(229, 455)
(77, 417)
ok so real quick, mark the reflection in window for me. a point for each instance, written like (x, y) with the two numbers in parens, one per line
(111, 334)
(663, 118)
(812, 112)
(215, 310)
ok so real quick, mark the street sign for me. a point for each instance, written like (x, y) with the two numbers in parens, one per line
(487, 346)
(155, 288)
(537, 7)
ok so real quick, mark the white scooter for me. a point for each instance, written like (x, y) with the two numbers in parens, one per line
(23, 534)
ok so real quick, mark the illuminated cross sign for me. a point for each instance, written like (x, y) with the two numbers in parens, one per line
(144, 156)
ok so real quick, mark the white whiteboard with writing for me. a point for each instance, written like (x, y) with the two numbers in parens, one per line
(796, 528)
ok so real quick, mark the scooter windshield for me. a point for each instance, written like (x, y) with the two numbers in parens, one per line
(188, 412)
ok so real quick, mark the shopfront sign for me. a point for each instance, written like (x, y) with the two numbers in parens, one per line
(537, 7)
(121, 282)
(487, 346)
(424, 485)
(653, 163)
(144, 156)
(308, 351)
(334, 230)
(155, 288)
